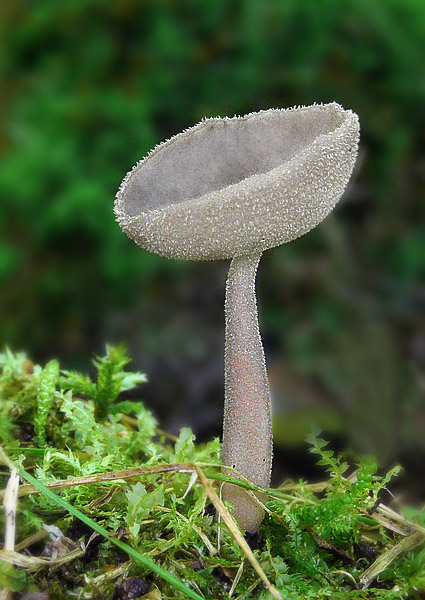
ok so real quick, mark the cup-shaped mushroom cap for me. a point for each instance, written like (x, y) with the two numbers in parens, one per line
(231, 187)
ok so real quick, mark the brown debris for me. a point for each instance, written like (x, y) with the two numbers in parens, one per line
(325, 545)
(131, 589)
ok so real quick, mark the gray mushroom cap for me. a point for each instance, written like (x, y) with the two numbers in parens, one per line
(232, 187)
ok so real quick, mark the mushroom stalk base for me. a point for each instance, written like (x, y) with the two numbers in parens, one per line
(247, 435)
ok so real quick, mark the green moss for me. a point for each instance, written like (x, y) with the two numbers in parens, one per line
(316, 542)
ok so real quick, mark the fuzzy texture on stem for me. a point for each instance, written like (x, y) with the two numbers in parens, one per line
(247, 435)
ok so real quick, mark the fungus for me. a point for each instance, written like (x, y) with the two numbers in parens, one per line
(232, 188)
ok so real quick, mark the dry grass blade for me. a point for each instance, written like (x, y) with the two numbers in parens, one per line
(390, 525)
(290, 486)
(109, 575)
(33, 563)
(235, 531)
(382, 562)
(31, 539)
(389, 513)
(393, 521)
(28, 489)
(236, 579)
(10, 503)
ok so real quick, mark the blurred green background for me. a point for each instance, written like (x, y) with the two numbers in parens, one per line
(89, 86)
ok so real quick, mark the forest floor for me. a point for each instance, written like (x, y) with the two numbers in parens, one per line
(100, 503)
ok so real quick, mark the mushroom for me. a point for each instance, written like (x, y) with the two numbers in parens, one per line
(230, 188)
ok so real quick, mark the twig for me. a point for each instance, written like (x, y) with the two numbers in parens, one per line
(10, 503)
(382, 562)
(235, 531)
(167, 435)
(33, 563)
(109, 575)
(27, 489)
(394, 521)
(34, 538)
(236, 579)
(391, 514)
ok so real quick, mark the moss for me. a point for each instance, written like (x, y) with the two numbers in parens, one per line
(317, 541)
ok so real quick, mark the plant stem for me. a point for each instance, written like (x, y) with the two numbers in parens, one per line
(247, 436)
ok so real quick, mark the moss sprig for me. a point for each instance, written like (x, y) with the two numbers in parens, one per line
(47, 388)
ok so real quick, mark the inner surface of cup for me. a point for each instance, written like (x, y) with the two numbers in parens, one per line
(221, 152)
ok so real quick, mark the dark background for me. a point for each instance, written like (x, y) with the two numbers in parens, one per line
(89, 87)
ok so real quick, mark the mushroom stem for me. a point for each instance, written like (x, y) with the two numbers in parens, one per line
(247, 436)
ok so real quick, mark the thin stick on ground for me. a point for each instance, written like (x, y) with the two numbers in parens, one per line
(126, 474)
(235, 531)
(26, 489)
(10, 503)
(381, 563)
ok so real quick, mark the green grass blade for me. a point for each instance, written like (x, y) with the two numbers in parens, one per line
(144, 560)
